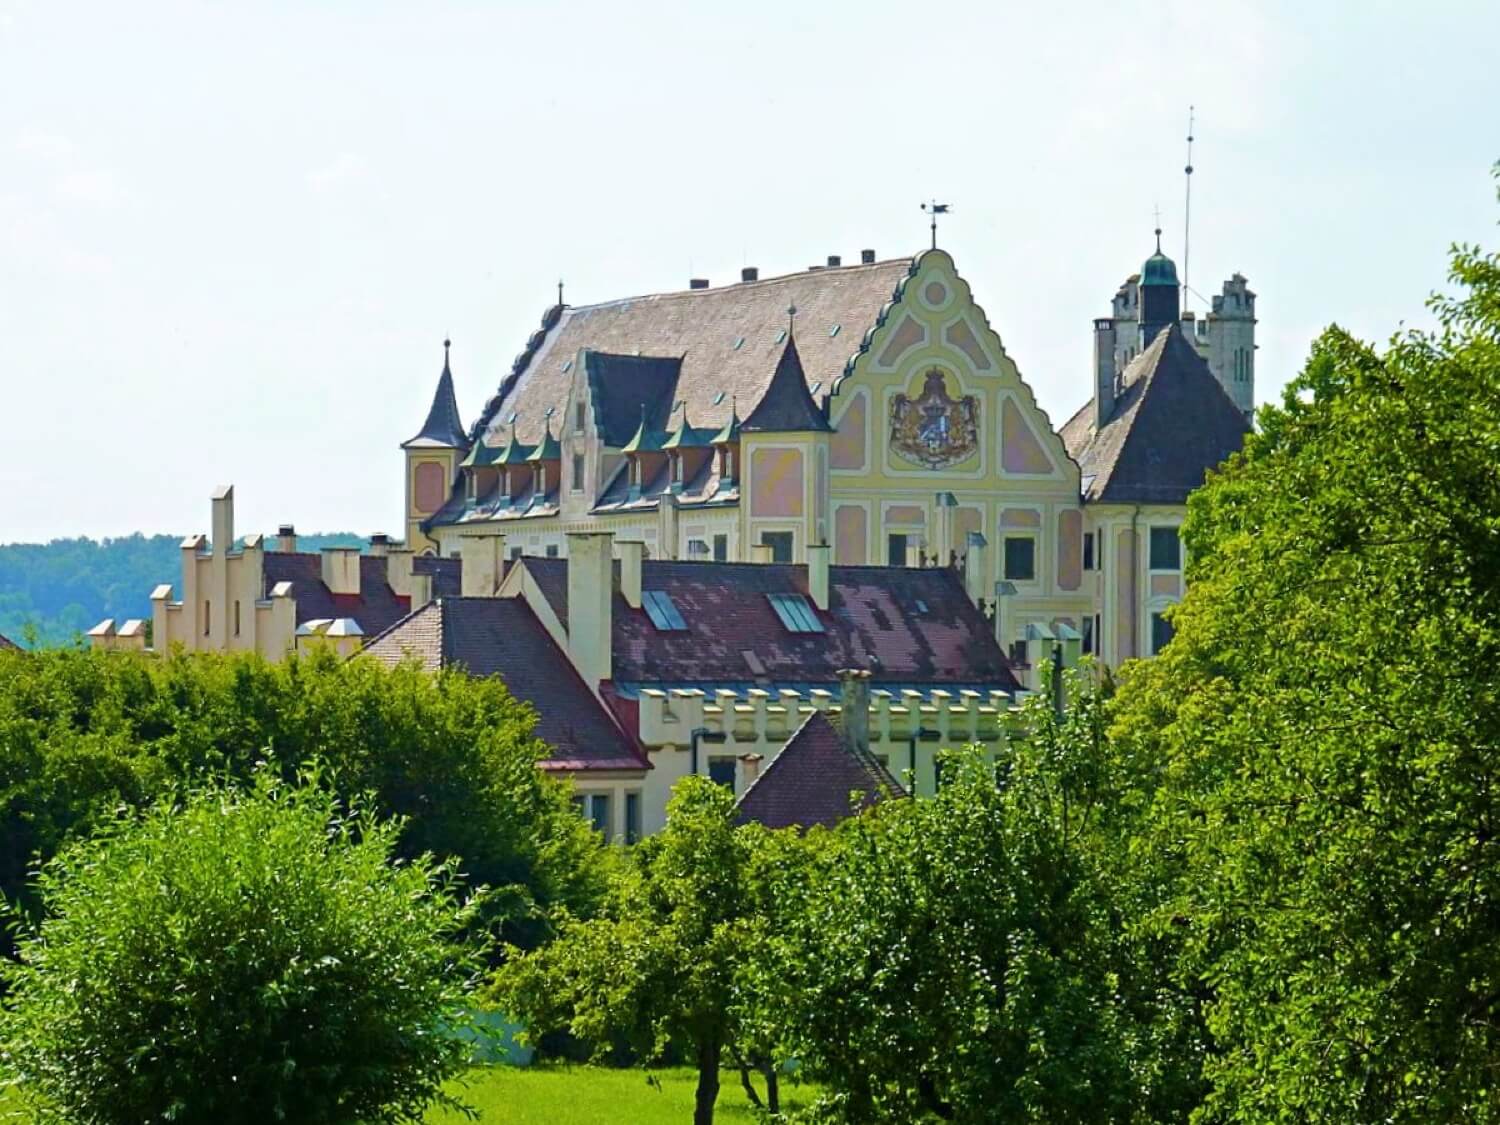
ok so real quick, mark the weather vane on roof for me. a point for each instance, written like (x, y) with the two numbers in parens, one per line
(935, 209)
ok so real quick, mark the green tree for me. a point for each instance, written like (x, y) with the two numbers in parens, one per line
(244, 956)
(955, 959)
(1314, 756)
(662, 963)
(454, 757)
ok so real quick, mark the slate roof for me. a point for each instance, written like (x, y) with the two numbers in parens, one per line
(727, 340)
(502, 637)
(620, 386)
(8, 645)
(375, 607)
(787, 406)
(1170, 425)
(812, 781)
(906, 626)
(444, 426)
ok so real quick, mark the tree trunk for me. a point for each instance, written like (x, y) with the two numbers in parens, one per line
(773, 1089)
(708, 1081)
(744, 1069)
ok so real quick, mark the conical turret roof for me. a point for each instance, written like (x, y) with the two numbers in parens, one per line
(444, 428)
(787, 406)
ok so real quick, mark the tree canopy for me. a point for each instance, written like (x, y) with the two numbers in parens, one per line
(1314, 756)
(242, 956)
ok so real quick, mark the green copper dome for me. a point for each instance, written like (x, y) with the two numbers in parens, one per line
(1159, 270)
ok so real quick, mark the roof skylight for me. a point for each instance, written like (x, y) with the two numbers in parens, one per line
(796, 613)
(662, 610)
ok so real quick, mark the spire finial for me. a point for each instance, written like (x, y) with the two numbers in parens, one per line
(791, 320)
(559, 291)
(447, 343)
(1157, 212)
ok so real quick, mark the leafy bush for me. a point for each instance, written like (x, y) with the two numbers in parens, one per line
(249, 955)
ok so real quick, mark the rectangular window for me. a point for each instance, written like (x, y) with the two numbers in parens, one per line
(780, 543)
(1161, 633)
(1166, 549)
(1088, 635)
(207, 618)
(1088, 550)
(578, 472)
(1018, 654)
(895, 550)
(721, 548)
(662, 611)
(515, 553)
(796, 613)
(721, 771)
(236, 618)
(632, 817)
(578, 417)
(1020, 558)
(552, 550)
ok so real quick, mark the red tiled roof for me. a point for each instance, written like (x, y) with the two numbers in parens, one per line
(376, 607)
(903, 625)
(813, 781)
(502, 637)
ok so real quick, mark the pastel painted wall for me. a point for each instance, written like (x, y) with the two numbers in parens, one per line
(776, 482)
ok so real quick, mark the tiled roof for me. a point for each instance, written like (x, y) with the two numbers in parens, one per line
(903, 625)
(444, 425)
(1170, 425)
(502, 637)
(375, 607)
(787, 405)
(813, 779)
(728, 339)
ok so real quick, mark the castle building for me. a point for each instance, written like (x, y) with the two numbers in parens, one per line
(871, 408)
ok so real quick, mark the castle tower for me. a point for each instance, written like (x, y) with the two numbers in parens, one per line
(1230, 335)
(432, 458)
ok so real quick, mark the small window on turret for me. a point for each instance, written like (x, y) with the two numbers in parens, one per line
(578, 472)
(578, 418)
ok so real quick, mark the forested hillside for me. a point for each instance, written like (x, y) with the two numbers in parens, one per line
(56, 591)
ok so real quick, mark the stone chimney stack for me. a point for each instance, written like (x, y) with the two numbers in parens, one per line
(286, 538)
(482, 562)
(632, 555)
(976, 568)
(1104, 371)
(854, 710)
(760, 553)
(341, 569)
(223, 517)
(591, 590)
(817, 574)
(380, 544)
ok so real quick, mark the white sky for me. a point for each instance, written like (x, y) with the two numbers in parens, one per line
(232, 237)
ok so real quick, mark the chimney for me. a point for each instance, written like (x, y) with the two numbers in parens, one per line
(223, 516)
(698, 283)
(341, 569)
(398, 571)
(1104, 371)
(380, 544)
(286, 538)
(591, 590)
(760, 553)
(817, 574)
(867, 257)
(751, 764)
(834, 261)
(631, 553)
(750, 273)
(975, 569)
(915, 552)
(482, 561)
(854, 710)
(421, 591)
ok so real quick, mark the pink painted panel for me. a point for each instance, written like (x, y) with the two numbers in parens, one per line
(905, 513)
(429, 487)
(776, 483)
(1020, 450)
(851, 525)
(961, 336)
(1125, 579)
(1166, 584)
(847, 446)
(907, 335)
(1020, 517)
(1069, 549)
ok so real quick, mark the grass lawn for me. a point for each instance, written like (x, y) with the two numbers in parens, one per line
(564, 1095)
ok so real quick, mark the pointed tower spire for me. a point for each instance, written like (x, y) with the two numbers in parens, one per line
(444, 427)
(787, 406)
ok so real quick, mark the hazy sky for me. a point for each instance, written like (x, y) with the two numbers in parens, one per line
(233, 237)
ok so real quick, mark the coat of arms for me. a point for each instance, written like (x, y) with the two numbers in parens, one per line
(934, 430)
